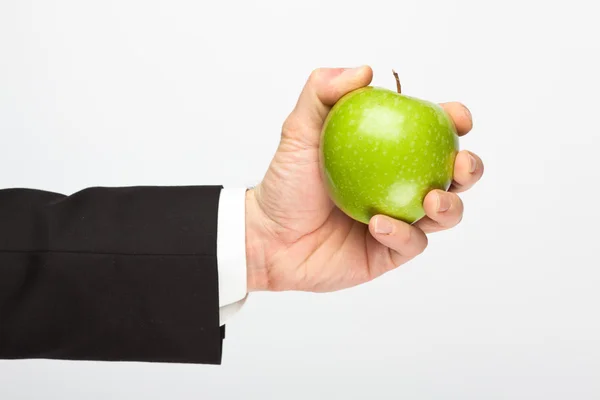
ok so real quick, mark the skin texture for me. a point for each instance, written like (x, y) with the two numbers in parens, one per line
(297, 239)
(382, 152)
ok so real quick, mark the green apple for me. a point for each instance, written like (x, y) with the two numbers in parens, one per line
(383, 151)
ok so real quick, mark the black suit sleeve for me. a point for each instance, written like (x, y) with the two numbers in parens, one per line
(110, 274)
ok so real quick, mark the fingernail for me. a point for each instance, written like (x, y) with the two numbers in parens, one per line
(472, 163)
(443, 203)
(383, 226)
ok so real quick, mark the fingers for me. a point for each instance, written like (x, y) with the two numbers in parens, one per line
(468, 170)
(331, 87)
(463, 121)
(324, 88)
(404, 241)
(443, 211)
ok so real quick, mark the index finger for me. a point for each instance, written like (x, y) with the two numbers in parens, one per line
(460, 114)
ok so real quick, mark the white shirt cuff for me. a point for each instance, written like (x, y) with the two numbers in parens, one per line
(231, 252)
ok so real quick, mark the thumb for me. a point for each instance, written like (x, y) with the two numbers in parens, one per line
(324, 88)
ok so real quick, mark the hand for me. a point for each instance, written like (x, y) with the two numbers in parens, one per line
(296, 238)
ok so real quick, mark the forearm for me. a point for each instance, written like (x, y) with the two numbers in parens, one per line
(110, 274)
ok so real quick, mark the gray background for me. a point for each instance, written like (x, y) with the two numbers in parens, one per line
(505, 306)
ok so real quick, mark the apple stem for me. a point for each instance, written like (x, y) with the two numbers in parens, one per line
(398, 87)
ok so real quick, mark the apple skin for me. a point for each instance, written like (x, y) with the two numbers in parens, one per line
(381, 152)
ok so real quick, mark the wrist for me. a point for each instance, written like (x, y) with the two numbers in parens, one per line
(256, 239)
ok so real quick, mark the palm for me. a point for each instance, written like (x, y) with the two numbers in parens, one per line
(326, 249)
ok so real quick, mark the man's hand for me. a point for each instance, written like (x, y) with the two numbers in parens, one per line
(296, 239)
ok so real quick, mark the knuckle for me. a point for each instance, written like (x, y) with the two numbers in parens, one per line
(405, 237)
(457, 203)
(454, 221)
(404, 253)
(455, 216)
(294, 132)
(423, 243)
(315, 75)
(412, 241)
(289, 125)
(481, 166)
(459, 218)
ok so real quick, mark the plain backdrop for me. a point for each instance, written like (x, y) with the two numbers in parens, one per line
(505, 306)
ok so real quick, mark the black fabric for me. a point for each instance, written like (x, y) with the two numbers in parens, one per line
(110, 274)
